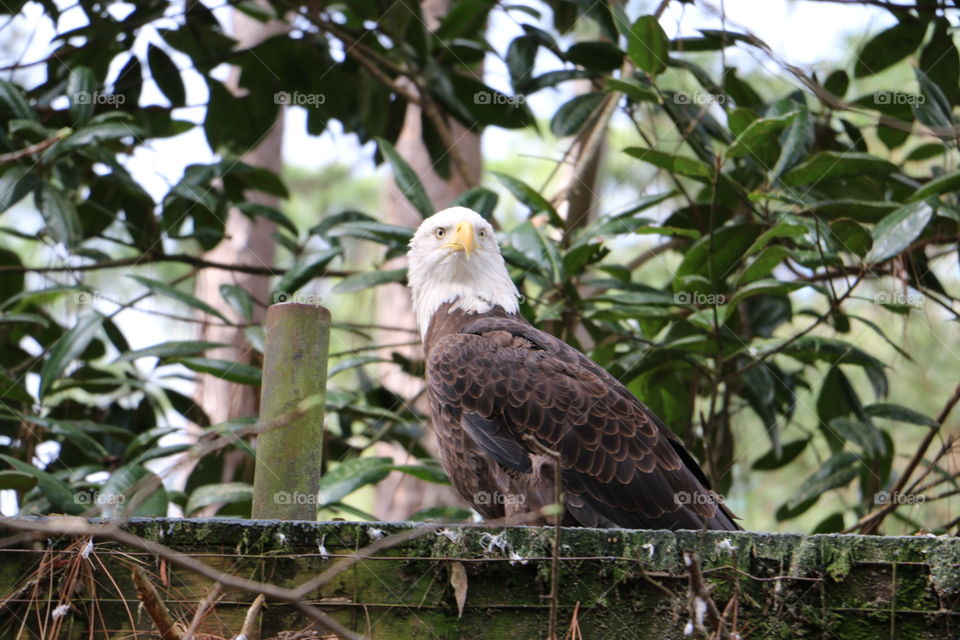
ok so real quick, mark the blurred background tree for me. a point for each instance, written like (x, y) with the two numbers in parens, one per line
(765, 254)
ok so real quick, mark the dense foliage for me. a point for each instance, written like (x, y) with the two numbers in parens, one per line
(780, 211)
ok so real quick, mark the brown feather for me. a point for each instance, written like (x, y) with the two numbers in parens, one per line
(494, 380)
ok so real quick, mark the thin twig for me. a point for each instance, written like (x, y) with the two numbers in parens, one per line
(699, 590)
(13, 156)
(153, 604)
(250, 630)
(213, 594)
(872, 521)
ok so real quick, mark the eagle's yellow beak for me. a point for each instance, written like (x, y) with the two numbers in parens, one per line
(463, 238)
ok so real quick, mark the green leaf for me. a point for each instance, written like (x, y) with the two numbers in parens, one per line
(13, 390)
(858, 210)
(59, 494)
(480, 199)
(851, 236)
(553, 78)
(529, 197)
(172, 349)
(166, 290)
(305, 271)
(17, 481)
(68, 348)
(796, 141)
(814, 348)
(934, 110)
(861, 433)
(129, 83)
(90, 447)
(15, 183)
(889, 47)
(255, 209)
(675, 164)
(145, 441)
(530, 242)
(388, 234)
(520, 57)
(123, 494)
(788, 452)
(575, 113)
(831, 524)
(595, 55)
(837, 83)
(101, 132)
(60, 214)
(367, 279)
(765, 287)
(837, 471)
(899, 413)
(11, 96)
(350, 475)
(632, 88)
(941, 184)
(465, 19)
(648, 46)
(895, 232)
(827, 165)
(762, 132)
(926, 151)
(407, 180)
(766, 262)
(240, 299)
(167, 76)
(82, 90)
(223, 492)
(940, 61)
(714, 260)
(232, 371)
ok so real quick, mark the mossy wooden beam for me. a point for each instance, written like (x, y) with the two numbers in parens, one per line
(289, 453)
(615, 583)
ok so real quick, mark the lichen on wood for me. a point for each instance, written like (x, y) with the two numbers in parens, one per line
(777, 585)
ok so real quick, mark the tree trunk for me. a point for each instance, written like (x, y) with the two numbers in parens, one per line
(247, 242)
(400, 495)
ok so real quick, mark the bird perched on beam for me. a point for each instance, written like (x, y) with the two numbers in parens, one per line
(509, 402)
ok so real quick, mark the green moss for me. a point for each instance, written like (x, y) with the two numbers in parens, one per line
(786, 586)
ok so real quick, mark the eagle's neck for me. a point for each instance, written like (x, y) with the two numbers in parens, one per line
(447, 320)
(474, 291)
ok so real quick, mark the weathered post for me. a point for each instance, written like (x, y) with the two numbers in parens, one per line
(287, 473)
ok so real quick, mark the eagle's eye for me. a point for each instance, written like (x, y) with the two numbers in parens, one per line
(482, 233)
(440, 232)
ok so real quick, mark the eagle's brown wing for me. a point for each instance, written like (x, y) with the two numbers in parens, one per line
(505, 380)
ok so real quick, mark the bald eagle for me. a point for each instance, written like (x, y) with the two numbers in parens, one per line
(508, 402)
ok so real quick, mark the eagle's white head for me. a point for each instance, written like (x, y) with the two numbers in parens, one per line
(454, 257)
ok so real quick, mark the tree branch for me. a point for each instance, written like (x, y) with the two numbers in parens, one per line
(182, 258)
